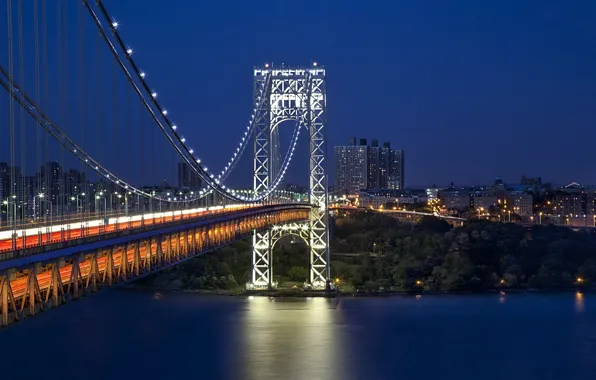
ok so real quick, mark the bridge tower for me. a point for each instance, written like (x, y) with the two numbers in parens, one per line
(292, 94)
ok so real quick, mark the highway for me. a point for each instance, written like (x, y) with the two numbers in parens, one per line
(42, 235)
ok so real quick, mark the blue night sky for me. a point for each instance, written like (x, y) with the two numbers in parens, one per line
(470, 90)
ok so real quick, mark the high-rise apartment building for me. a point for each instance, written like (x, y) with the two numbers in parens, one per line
(52, 180)
(351, 164)
(187, 178)
(363, 166)
(395, 174)
(373, 167)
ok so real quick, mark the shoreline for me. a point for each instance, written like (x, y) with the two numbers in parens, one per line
(340, 294)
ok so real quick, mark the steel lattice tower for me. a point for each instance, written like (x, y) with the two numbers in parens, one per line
(292, 94)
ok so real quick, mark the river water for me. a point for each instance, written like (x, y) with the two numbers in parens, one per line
(146, 335)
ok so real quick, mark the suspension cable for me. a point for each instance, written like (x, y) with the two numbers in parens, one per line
(195, 163)
(185, 152)
(153, 97)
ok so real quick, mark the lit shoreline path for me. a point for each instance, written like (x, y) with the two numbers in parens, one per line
(83, 102)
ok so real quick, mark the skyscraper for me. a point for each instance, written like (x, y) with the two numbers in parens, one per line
(395, 175)
(384, 165)
(373, 166)
(359, 167)
(350, 168)
(187, 178)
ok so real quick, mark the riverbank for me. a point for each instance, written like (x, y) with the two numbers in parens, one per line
(297, 293)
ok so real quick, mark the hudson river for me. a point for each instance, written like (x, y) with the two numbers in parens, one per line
(122, 334)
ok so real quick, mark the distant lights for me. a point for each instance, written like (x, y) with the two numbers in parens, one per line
(266, 65)
(315, 64)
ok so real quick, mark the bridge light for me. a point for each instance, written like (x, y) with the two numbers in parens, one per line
(165, 112)
(174, 127)
(315, 64)
(183, 139)
(129, 51)
(142, 75)
(266, 65)
(115, 24)
(154, 94)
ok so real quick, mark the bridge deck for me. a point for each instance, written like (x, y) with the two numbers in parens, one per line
(195, 220)
(33, 283)
(27, 237)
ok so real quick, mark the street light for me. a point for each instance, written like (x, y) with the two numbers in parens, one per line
(76, 197)
(112, 202)
(125, 203)
(14, 219)
(105, 206)
(6, 202)
(40, 196)
(540, 219)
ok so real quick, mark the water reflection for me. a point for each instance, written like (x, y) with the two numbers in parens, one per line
(291, 339)
(579, 302)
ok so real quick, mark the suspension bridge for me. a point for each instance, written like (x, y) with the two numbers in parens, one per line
(74, 96)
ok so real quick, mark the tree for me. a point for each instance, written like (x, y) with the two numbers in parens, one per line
(298, 274)
(433, 224)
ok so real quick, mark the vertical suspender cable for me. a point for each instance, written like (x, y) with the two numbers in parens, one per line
(66, 101)
(152, 153)
(83, 174)
(38, 185)
(142, 165)
(46, 169)
(128, 153)
(99, 107)
(22, 200)
(115, 144)
(10, 206)
(37, 181)
(55, 185)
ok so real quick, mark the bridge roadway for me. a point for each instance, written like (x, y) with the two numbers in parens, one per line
(30, 283)
(399, 212)
(26, 237)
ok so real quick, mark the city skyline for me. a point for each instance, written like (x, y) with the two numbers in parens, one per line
(429, 103)
(141, 152)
